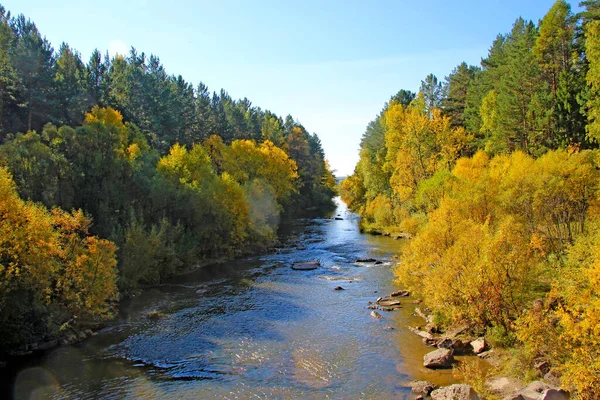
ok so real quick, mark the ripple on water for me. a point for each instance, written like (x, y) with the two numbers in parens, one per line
(254, 328)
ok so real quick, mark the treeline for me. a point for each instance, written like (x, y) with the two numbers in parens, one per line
(495, 173)
(156, 175)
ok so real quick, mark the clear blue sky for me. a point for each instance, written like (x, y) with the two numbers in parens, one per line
(331, 64)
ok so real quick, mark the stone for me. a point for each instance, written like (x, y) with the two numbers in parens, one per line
(542, 368)
(81, 335)
(305, 265)
(88, 332)
(48, 345)
(389, 302)
(400, 293)
(366, 260)
(533, 390)
(338, 288)
(423, 334)
(455, 392)
(554, 394)
(422, 387)
(375, 314)
(479, 345)
(339, 218)
(378, 262)
(514, 397)
(457, 330)
(553, 378)
(502, 386)
(440, 358)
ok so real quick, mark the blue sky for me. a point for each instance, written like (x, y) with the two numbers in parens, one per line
(331, 64)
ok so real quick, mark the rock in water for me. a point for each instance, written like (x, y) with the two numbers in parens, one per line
(455, 392)
(338, 288)
(400, 293)
(305, 265)
(366, 260)
(440, 358)
(422, 387)
(375, 314)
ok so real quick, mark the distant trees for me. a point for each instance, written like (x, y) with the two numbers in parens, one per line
(160, 174)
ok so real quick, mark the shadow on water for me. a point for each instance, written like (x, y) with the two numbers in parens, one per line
(252, 328)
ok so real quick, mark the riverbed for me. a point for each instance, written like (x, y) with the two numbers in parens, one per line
(253, 328)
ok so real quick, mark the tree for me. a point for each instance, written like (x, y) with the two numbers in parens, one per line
(33, 61)
(455, 89)
(592, 47)
(71, 86)
(432, 92)
(96, 73)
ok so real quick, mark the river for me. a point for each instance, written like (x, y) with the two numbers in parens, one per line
(253, 328)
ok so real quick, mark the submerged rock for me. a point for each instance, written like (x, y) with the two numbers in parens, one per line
(338, 288)
(422, 387)
(375, 314)
(366, 260)
(305, 265)
(440, 358)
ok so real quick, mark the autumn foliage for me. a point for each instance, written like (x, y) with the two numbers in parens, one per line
(52, 271)
(495, 175)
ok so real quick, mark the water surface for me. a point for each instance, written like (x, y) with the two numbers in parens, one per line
(253, 328)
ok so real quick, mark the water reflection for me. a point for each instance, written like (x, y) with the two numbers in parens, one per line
(253, 328)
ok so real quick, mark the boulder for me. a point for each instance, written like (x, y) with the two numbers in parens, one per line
(479, 345)
(386, 302)
(339, 218)
(455, 392)
(554, 394)
(542, 368)
(553, 378)
(375, 314)
(422, 387)
(502, 386)
(400, 293)
(440, 358)
(457, 330)
(338, 288)
(533, 390)
(514, 397)
(305, 265)
(423, 334)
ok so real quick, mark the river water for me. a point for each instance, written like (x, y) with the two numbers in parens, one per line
(253, 328)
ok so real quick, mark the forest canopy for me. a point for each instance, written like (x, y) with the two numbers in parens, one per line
(117, 174)
(494, 175)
